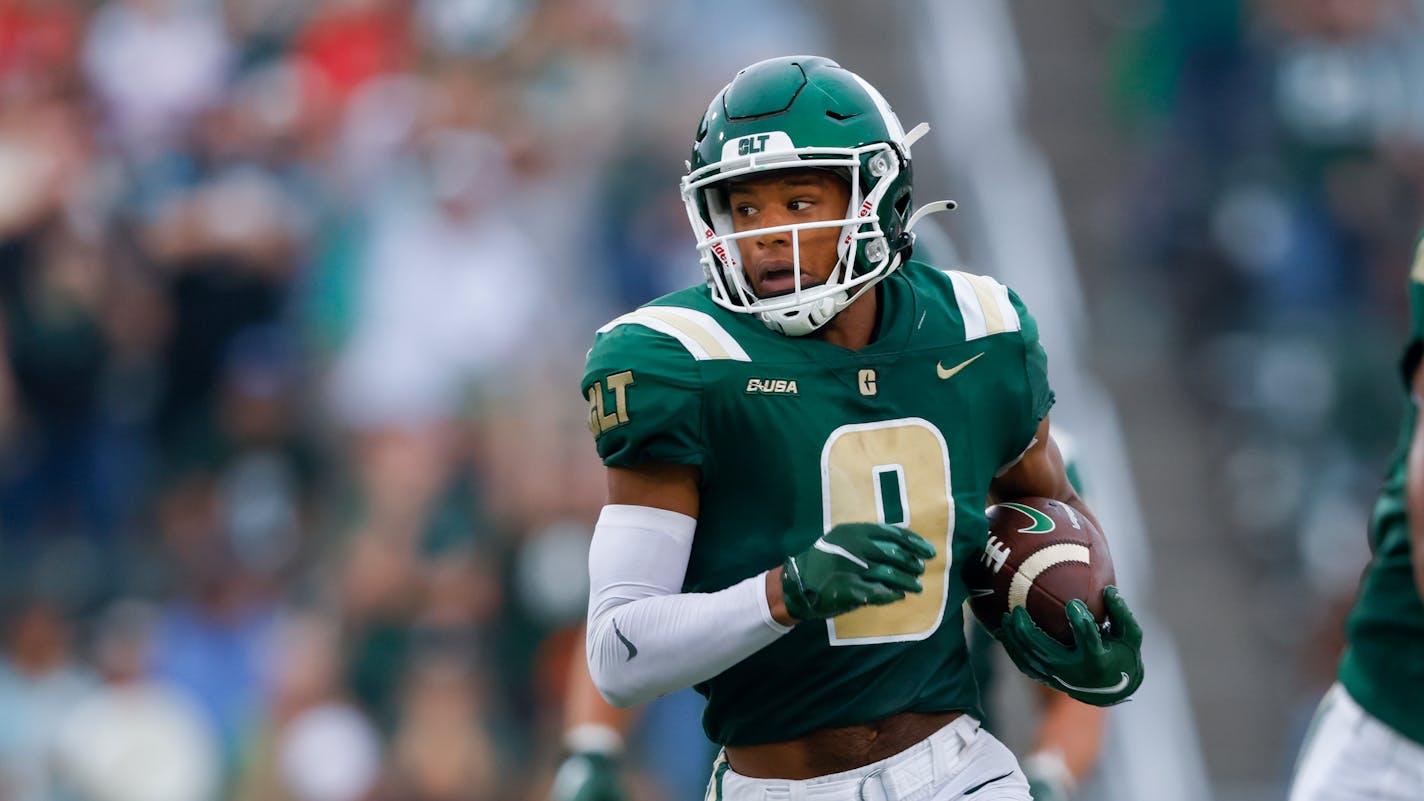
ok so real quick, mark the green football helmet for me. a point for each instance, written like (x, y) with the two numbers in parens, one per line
(800, 112)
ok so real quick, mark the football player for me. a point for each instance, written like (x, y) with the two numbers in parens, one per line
(1367, 739)
(798, 454)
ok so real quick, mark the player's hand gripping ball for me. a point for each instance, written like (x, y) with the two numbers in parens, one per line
(1043, 585)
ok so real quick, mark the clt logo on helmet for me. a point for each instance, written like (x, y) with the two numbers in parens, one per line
(748, 145)
(757, 145)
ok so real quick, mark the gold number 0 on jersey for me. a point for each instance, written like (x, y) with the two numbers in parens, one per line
(864, 467)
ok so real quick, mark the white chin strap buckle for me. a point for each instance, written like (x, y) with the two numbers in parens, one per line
(803, 320)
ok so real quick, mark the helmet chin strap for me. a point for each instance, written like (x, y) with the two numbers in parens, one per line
(808, 317)
(803, 320)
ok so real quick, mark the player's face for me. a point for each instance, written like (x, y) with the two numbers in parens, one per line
(785, 198)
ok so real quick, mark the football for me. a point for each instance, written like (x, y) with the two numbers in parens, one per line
(1040, 554)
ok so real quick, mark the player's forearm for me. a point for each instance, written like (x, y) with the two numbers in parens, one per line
(1072, 730)
(641, 649)
(1081, 507)
(645, 636)
(1038, 472)
(776, 599)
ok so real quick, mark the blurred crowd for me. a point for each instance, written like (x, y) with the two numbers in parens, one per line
(295, 484)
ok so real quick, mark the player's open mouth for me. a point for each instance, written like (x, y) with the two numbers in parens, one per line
(781, 281)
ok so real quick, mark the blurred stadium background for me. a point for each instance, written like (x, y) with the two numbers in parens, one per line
(295, 488)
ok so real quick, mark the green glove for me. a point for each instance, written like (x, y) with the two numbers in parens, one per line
(587, 776)
(1098, 669)
(853, 565)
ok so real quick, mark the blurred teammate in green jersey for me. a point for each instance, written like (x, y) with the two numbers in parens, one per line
(1367, 739)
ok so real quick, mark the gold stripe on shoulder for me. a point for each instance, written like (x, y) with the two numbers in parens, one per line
(1416, 272)
(988, 303)
(699, 334)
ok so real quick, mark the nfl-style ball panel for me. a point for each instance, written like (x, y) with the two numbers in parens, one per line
(1040, 554)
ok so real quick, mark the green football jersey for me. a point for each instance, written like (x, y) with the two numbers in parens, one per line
(795, 435)
(1383, 665)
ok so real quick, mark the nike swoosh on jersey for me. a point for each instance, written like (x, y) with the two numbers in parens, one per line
(949, 373)
(1119, 687)
(633, 649)
(976, 593)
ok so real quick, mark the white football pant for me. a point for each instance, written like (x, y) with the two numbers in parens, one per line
(1349, 755)
(960, 761)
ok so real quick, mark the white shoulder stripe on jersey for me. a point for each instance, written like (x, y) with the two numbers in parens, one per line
(1007, 311)
(699, 332)
(968, 305)
(634, 318)
(984, 305)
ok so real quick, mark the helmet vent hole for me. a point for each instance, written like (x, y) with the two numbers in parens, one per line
(839, 117)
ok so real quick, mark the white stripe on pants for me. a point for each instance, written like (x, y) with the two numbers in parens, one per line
(1350, 755)
(958, 757)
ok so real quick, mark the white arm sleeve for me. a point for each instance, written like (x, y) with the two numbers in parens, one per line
(645, 636)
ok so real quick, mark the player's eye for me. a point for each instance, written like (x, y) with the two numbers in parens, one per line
(800, 205)
(743, 209)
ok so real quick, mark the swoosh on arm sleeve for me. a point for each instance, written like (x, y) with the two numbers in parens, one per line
(647, 638)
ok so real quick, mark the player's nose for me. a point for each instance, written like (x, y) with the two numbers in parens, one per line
(771, 219)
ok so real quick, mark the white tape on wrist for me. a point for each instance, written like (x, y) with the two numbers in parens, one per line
(594, 738)
(1049, 765)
